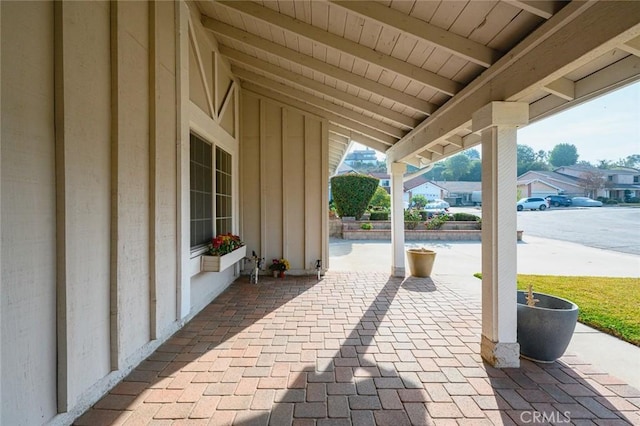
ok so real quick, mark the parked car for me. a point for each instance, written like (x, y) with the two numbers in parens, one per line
(436, 204)
(558, 200)
(585, 202)
(531, 203)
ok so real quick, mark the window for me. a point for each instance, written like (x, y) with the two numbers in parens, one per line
(204, 223)
(223, 192)
(201, 180)
(636, 179)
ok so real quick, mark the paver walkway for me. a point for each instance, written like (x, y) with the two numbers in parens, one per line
(354, 348)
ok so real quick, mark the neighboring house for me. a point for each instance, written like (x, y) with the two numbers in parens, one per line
(618, 183)
(416, 186)
(537, 188)
(385, 180)
(538, 183)
(361, 156)
(422, 186)
(459, 192)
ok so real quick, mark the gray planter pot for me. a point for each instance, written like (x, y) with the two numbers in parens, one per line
(545, 330)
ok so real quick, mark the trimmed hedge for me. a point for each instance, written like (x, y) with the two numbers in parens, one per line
(352, 193)
(465, 217)
(379, 216)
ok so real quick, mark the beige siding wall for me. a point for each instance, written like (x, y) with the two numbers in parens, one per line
(83, 183)
(284, 183)
(28, 302)
(94, 190)
(131, 178)
(164, 163)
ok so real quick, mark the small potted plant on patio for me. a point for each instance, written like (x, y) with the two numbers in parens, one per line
(545, 325)
(279, 266)
(421, 261)
(224, 251)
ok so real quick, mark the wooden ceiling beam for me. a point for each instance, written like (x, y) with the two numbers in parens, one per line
(302, 81)
(452, 43)
(257, 42)
(333, 41)
(579, 33)
(357, 137)
(542, 8)
(563, 88)
(632, 46)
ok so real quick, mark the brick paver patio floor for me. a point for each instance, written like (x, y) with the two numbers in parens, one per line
(354, 348)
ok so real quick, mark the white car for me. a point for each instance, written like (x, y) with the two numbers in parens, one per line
(531, 203)
(436, 204)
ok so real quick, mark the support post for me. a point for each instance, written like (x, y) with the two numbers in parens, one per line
(497, 123)
(397, 170)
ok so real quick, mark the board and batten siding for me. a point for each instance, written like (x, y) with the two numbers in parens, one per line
(28, 217)
(284, 182)
(96, 108)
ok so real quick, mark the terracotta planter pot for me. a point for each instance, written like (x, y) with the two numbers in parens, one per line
(421, 262)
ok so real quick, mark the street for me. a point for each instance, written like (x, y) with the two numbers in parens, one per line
(608, 228)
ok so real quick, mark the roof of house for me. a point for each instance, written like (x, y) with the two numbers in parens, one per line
(614, 171)
(460, 187)
(529, 181)
(550, 177)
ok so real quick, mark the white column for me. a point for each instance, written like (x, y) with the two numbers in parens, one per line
(397, 170)
(497, 122)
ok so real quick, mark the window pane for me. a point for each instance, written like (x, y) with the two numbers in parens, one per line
(224, 202)
(201, 175)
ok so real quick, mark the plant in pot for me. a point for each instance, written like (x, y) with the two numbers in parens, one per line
(278, 267)
(421, 261)
(545, 325)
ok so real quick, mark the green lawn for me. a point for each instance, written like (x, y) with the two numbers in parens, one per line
(611, 305)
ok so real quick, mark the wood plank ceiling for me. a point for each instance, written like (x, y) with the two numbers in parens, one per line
(407, 74)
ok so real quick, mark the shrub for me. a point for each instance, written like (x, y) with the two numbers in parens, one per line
(352, 193)
(419, 201)
(383, 215)
(411, 218)
(380, 199)
(465, 217)
(633, 200)
(611, 201)
(366, 226)
(436, 221)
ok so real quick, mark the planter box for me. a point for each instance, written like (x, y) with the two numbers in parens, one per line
(220, 263)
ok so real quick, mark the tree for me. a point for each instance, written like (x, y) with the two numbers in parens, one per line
(632, 160)
(419, 201)
(436, 172)
(593, 181)
(380, 199)
(475, 172)
(563, 154)
(526, 157)
(472, 153)
(456, 166)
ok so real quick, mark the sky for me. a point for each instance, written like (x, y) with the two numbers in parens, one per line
(605, 128)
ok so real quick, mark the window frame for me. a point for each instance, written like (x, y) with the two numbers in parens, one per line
(202, 248)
